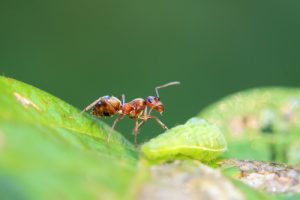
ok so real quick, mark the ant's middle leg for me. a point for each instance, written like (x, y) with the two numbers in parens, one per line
(144, 119)
(136, 130)
(138, 125)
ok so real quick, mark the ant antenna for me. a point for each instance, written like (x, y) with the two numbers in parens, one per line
(166, 85)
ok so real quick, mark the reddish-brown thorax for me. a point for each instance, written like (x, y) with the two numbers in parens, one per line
(134, 108)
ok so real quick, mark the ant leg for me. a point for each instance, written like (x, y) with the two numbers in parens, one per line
(158, 121)
(121, 116)
(117, 120)
(155, 118)
(91, 105)
(138, 125)
(150, 111)
(136, 130)
(135, 139)
(144, 119)
(113, 126)
(141, 123)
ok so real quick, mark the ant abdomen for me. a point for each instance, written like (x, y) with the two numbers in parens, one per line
(107, 106)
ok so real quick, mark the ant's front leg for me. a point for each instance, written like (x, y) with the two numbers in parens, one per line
(158, 121)
(146, 117)
(152, 117)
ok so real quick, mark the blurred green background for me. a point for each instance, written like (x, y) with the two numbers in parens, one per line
(80, 50)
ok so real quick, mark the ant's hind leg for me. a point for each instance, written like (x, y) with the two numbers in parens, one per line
(113, 126)
(91, 105)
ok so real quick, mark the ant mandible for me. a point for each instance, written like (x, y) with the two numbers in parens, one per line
(135, 109)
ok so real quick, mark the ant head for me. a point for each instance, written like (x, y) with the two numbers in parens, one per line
(155, 103)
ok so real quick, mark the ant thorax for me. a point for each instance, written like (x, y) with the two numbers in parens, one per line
(134, 108)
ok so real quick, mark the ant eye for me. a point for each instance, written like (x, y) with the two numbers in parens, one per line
(150, 99)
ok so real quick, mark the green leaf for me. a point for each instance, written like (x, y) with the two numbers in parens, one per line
(196, 139)
(48, 150)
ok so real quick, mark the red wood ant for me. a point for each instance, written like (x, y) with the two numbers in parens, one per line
(135, 109)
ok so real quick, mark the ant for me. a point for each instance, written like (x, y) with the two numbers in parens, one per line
(135, 109)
